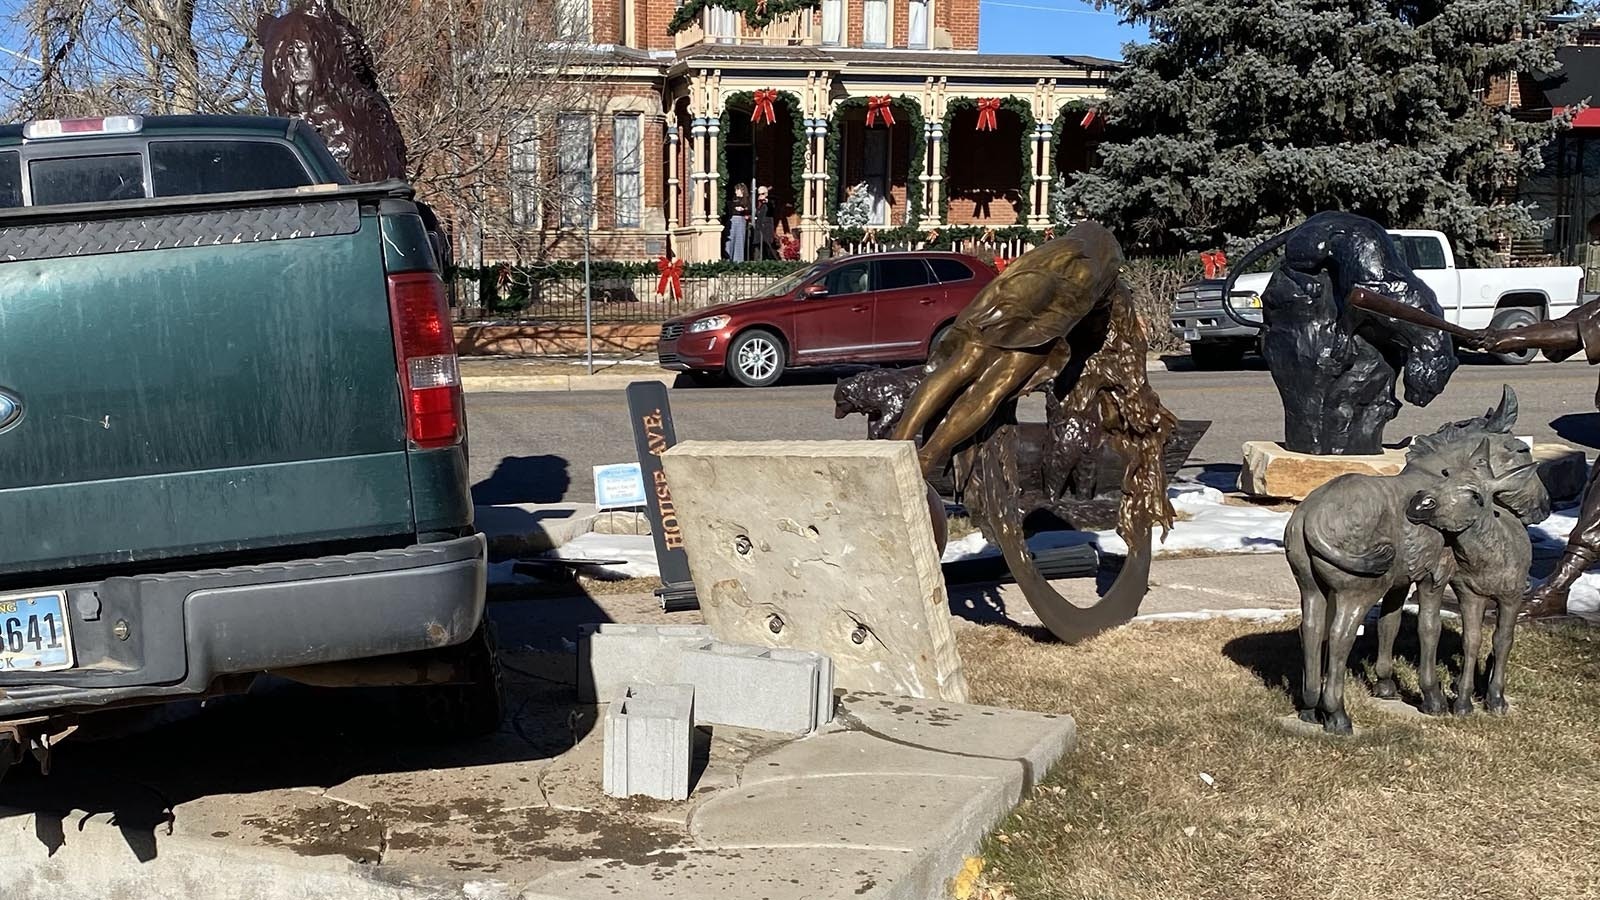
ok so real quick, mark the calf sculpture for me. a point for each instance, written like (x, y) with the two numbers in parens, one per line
(1457, 515)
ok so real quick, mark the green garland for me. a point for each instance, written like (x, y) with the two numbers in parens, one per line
(1024, 112)
(907, 110)
(1073, 108)
(755, 14)
(797, 152)
(944, 238)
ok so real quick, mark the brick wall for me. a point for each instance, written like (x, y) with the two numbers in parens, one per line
(986, 170)
(651, 28)
(852, 31)
(961, 21)
(605, 18)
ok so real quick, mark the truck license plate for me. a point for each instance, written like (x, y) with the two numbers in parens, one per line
(33, 633)
(1191, 334)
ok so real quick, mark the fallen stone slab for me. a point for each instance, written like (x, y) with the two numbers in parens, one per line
(824, 546)
(882, 804)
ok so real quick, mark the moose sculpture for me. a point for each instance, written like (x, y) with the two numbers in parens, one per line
(1456, 515)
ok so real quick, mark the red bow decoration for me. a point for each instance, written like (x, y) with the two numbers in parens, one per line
(987, 236)
(763, 110)
(870, 236)
(671, 277)
(1000, 263)
(761, 7)
(987, 108)
(1088, 118)
(1216, 263)
(879, 106)
(502, 278)
(933, 235)
(1049, 233)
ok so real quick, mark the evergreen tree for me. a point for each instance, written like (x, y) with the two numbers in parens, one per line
(1242, 117)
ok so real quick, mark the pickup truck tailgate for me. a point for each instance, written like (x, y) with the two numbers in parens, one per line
(196, 379)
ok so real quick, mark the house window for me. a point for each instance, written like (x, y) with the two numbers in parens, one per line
(917, 25)
(525, 177)
(628, 172)
(832, 22)
(574, 157)
(875, 23)
(572, 20)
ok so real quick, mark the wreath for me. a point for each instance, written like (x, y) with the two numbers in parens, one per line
(1024, 113)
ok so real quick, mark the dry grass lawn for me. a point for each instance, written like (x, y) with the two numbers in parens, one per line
(1185, 785)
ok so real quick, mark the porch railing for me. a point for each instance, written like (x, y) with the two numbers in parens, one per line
(719, 26)
(984, 250)
(616, 300)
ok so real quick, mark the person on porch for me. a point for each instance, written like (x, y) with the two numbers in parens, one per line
(738, 224)
(765, 242)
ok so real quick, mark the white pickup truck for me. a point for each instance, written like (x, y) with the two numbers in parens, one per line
(1472, 298)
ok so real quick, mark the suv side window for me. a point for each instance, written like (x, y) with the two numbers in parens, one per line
(182, 168)
(894, 274)
(949, 270)
(846, 280)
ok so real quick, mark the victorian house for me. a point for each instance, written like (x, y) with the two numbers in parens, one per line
(887, 102)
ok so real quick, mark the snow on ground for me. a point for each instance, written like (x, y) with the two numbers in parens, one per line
(1210, 525)
(1549, 539)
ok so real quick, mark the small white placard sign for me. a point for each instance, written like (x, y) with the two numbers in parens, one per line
(618, 486)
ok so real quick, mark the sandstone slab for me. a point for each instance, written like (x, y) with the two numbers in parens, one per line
(824, 546)
(1271, 471)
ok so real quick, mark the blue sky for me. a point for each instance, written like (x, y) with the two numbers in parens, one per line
(1052, 26)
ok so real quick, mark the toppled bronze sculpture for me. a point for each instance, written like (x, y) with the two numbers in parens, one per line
(1335, 362)
(1456, 515)
(1059, 319)
(317, 67)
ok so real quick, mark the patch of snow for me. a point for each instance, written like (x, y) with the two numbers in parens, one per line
(626, 555)
(505, 573)
(1201, 615)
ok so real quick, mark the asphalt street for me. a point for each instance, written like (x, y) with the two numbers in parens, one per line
(541, 447)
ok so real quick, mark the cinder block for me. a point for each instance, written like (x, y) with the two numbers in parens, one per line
(649, 742)
(770, 688)
(612, 656)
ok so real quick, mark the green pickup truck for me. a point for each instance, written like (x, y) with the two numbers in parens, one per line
(232, 437)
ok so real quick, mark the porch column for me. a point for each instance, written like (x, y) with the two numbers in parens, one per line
(697, 178)
(672, 171)
(1044, 166)
(814, 225)
(932, 171)
(713, 176)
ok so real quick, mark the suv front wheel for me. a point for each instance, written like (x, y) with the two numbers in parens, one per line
(755, 358)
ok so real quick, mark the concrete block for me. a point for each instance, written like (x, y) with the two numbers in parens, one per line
(649, 742)
(770, 688)
(1271, 471)
(613, 656)
(824, 546)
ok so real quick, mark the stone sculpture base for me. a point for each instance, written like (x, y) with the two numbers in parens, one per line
(824, 546)
(1271, 472)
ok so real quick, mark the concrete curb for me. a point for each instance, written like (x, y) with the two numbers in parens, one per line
(508, 384)
(520, 384)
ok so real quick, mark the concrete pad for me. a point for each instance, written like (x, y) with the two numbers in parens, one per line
(824, 546)
(1271, 471)
(525, 529)
(884, 803)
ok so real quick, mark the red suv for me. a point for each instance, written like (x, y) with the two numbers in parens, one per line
(886, 307)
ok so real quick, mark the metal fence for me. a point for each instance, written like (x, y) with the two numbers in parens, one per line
(627, 299)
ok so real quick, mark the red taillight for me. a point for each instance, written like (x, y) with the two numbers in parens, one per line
(425, 347)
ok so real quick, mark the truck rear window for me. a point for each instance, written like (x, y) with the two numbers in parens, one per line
(10, 179)
(87, 179)
(179, 168)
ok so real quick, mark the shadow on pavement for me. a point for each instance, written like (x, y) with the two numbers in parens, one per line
(524, 479)
(1579, 428)
(283, 736)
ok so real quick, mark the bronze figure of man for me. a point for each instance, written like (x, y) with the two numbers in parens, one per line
(1010, 338)
(1559, 339)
